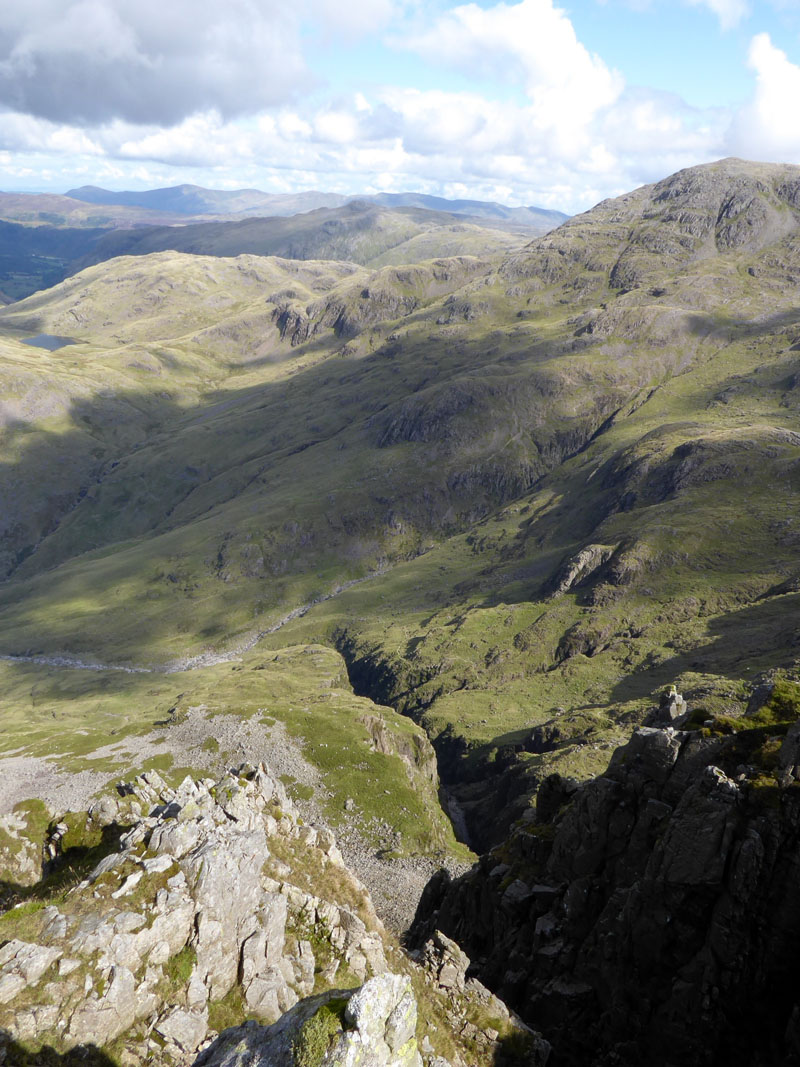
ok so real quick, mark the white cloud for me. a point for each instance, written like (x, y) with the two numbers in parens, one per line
(769, 126)
(533, 44)
(729, 12)
(200, 140)
(200, 93)
(356, 17)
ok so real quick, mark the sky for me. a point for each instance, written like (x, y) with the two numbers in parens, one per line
(527, 102)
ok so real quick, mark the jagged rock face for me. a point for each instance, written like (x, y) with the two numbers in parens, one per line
(186, 911)
(657, 918)
(216, 894)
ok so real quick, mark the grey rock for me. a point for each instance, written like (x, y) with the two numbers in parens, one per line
(186, 1029)
(100, 1019)
(27, 961)
(445, 961)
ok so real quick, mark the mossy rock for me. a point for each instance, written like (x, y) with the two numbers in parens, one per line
(318, 1035)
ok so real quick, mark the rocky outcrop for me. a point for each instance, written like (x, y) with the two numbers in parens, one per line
(375, 1026)
(216, 902)
(20, 853)
(651, 915)
(195, 906)
(580, 567)
(694, 214)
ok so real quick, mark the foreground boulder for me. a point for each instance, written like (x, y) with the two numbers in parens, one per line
(375, 1026)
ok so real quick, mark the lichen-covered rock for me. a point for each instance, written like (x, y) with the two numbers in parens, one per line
(375, 1026)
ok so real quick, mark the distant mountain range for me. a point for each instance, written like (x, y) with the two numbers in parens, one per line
(45, 237)
(195, 200)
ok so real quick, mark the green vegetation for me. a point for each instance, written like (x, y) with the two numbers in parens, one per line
(178, 969)
(780, 709)
(228, 1011)
(318, 1035)
(529, 467)
(781, 706)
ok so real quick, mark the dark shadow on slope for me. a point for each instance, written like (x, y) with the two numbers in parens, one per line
(120, 441)
(37, 257)
(19, 1054)
(737, 329)
(68, 869)
(753, 638)
(138, 465)
(521, 1048)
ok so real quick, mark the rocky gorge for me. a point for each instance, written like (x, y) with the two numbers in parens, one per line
(650, 915)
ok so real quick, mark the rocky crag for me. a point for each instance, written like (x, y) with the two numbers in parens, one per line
(651, 915)
(202, 907)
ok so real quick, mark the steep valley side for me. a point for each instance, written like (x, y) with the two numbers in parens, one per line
(464, 519)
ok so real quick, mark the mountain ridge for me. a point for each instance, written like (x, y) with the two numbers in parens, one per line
(570, 473)
(194, 199)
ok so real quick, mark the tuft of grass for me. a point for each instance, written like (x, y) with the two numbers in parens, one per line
(228, 1011)
(318, 1035)
(178, 969)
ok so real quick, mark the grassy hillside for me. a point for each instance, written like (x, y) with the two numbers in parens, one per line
(361, 762)
(45, 238)
(520, 494)
(360, 232)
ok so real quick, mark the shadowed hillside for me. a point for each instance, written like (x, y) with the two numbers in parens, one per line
(360, 232)
(569, 474)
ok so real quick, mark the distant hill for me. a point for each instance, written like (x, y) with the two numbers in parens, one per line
(195, 200)
(387, 228)
(359, 232)
(50, 209)
(537, 217)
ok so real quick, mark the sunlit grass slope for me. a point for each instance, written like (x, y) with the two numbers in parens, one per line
(560, 479)
(102, 721)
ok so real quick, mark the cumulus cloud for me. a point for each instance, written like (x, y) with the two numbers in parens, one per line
(535, 45)
(210, 93)
(769, 126)
(90, 61)
(430, 141)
